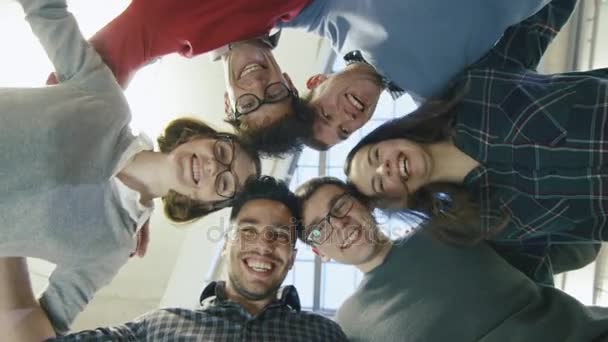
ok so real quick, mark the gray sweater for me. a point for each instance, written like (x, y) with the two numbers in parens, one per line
(426, 291)
(59, 146)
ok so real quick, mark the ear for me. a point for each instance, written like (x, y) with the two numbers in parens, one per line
(318, 253)
(316, 80)
(290, 84)
(227, 103)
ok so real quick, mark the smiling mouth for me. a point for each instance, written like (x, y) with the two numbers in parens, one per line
(250, 68)
(404, 167)
(352, 238)
(260, 267)
(356, 102)
(196, 169)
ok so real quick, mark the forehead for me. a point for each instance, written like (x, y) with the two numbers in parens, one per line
(317, 205)
(361, 171)
(265, 212)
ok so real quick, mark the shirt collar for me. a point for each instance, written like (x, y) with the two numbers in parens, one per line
(271, 39)
(216, 291)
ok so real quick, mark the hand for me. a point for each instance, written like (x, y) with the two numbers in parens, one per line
(143, 238)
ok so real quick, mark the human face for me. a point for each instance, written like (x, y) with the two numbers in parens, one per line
(391, 169)
(343, 101)
(354, 239)
(210, 169)
(261, 251)
(249, 68)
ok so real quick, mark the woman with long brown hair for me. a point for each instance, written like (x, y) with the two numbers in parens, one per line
(510, 155)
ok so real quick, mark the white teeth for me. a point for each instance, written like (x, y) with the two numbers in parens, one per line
(249, 69)
(355, 102)
(259, 266)
(404, 167)
(196, 171)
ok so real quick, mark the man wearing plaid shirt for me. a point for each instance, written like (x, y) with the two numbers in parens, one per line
(249, 306)
(541, 141)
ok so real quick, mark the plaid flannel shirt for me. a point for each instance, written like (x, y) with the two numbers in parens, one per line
(542, 143)
(220, 319)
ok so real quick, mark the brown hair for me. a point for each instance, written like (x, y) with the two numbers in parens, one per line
(180, 208)
(454, 211)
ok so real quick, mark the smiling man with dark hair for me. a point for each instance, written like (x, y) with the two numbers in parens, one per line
(249, 306)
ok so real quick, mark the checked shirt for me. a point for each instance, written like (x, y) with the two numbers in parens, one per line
(220, 319)
(541, 140)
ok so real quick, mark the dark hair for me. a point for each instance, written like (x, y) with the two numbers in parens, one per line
(272, 189)
(306, 190)
(283, 137)
(311, 140)
(180, 208)
(455, 213)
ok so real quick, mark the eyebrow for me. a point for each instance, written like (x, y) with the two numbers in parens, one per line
(320, 112)
(247, 221)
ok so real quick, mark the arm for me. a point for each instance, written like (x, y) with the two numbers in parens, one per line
(150, 29)
(21, 318)
(130, 331)
(60, 36)
(524, 44)
(71, 288)
(122, 45)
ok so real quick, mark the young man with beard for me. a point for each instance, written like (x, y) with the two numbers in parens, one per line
(419, 289)
(261, 102)
(249, 306)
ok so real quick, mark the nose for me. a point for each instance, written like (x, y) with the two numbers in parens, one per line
(384, 168)
(264, 242)
(340, 223)
(212, 167)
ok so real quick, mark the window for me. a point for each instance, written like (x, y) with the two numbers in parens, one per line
(324, 286)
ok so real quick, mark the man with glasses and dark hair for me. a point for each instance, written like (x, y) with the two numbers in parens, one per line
(261, 102)
(250, 306)
(419, 289)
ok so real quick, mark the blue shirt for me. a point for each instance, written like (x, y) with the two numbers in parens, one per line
(420, 45)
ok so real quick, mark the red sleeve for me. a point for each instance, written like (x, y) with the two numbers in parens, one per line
(121, 44)
(148, 29)
(214, 23)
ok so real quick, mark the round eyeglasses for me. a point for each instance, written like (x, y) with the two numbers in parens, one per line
(319, 232)
(273, 93)
(226, 183)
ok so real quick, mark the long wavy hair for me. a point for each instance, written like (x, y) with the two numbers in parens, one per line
(455, 213)
(177, 207)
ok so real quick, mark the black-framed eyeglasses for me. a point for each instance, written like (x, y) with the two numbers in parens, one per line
(226, 182)
(321, 231)
(273, 93)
